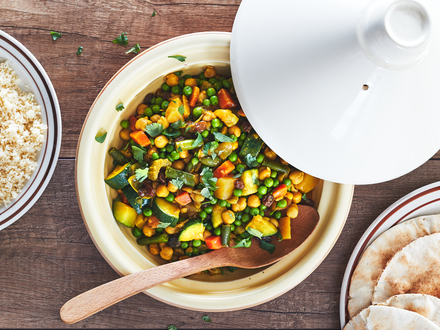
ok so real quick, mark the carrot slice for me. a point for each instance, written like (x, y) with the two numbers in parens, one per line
(213, 242)
(183, 198)
(140, 138)
(225, 99)
(194, 96)
(280, 191)
(224, 169)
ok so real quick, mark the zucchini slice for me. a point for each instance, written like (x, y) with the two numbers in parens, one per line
(193, 230)
(118, 156)
(136, 201)
(124, 214)
(187, 178)
(166, 212)
(118, 178)
(251, 146)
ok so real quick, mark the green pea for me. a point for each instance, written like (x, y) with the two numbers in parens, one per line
(218, 86)
(208, 209)
(263, 207)
(197, 243)
(153, 101)
(170, 198)
(240, 143)
(262, 190)
(215, 123)
(156, 108)
(222, 203)
(155, 156)
(187, 90)
(125, 123)
(198, 81)
(148, 112)
(162, 155)
(159, 101)
(226, 84)
(214, 100)
(287, 182)
(169, 148)
(206, 102)
(238, 192)
(255, 211)
(201, 81)
(189, 254)
(136, 232)
(240, 168)
(194, 161)
(152, 141)
(221, 79)
(159, 230)
(197, 112)
(214, 130)
(276, 182)
(232, 227)
(262, 213)
(218, 231)
(164, 149)
(260, 158)
(205, 133)
(282, 203)
(212, 80)
(214, 201)
(166, 87)
(277, 215)
(202, 76)
(233, 157)
(237, 223)
(148, 212)
(195, 251)
(175, 90)
(170, 158)
(175, 155)
(184, 245)
(228, 205)
(203, 215)
(187, 76)
(246, 217)
(243, 136)
(247, 244)
(178, 73)
(247, 210)
(181, 83)
(209, 227)
(233, 137)
(210, 92)
(259, 195)
(165, 104)
(273, 174)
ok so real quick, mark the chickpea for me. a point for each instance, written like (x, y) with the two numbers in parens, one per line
(202, 96)
(198, 198)
(161, 245)
(155, 118)
(292, 211)
(127, 154)
(172, 231)
(274, 222)
(187, 159)
(234, 130)
(141, 123)
(235, 145)
(224, 130)
(166, 253)
(183, 257)
(162, 191)
(148, 231)
(209, 116)
(254, 201)
(228, 217)
(162, 120)
(191, 82)
(178, 165)
(124, 134)
(206, 234)
(161, 141)
(184, 210)
(172, 79)
(269, 153)
(296, 176)
(297, 196)
(232, 200)
(265, 173)
(240, 206)
(239, 230)
(178, 252)
(210, 72)
(154, 249)
(184, 154)
(140, 221)
(284, 162)
(141, 108)
(171, 188)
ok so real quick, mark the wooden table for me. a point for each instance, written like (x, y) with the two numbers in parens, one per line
(47, 256)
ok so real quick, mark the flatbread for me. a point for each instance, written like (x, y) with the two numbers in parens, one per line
(413, 269)
(423, 304)
(376, 256)
(385, 317)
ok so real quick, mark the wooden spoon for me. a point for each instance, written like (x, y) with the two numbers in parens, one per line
(101, 297)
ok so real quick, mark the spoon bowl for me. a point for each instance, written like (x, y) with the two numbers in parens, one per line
(101, 297)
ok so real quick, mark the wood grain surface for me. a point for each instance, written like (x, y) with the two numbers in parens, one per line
(47, 257)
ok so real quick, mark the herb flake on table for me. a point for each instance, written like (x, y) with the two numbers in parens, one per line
(122, 39)
(178, 57)
(154, 13)
(100, 137)
(206, 318)
(172, 327)
(80, 50)
(55, 35)
(120, 107)
(135, 49)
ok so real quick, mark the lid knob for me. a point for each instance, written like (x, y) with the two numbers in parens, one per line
(394, 34)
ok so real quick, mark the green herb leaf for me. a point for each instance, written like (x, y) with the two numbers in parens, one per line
(213, 155)
(122, 39)
(179, 149)
(242, 243)
(232, 269)
(126, 146)
(254, 232)
(278, 235)
(210, 147)
(205, 193)
(163, 225)
(154, 13)
(177, 182)
(138, 153)
(304, 196)
(135, 49)
(55, 35)
(208, 178)
(120, 107)
(154, 129)
(100, 137)
(250, 160)
(237, 175)
(222, 138)
(172, 327)
(178, 73)
(181, 110)
(178, 57)
(206, 318)
(178, 124)
(141, 174)
(197, 141)
(268, 247)
(80, 50)
(255, 179)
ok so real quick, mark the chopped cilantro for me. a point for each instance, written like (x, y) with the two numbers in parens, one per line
(120, 107)
(268, 247)
(208, 178)
(154, 129)
(254, 232)
(205, 193)
(178, 57)
(255, 179)
(222, 138)
(250, 160)
(138, 153)
(55, 35)
(304, 196)
(177, 182)
(100, 137)
(80, 50)
(197, 141)
(135, 49)
(122, 39)
(181, 110)
(163, 225)
(141, 174)
(154, 13)
(178, 124)
(242, 243)
(178, 73)
(210, 147)
(278, 235)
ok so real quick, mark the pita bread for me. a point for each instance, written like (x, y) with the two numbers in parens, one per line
(385, 317)
(423, 304)
(414, 269)
(376, 256)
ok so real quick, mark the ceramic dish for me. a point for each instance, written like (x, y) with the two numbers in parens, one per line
(423, 201)
(243, 288)
(34, 79)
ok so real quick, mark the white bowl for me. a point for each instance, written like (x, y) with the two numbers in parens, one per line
(241, 289)
(34, 79)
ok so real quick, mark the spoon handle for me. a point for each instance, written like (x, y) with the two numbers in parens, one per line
(101, 297)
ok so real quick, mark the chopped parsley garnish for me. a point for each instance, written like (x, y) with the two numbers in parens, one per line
(242, 243)
(55, 35)
(178, 57)
(268, 247)
(222, 138)
(181, 110)
(178, 124)
(250, 161)
(210, 147)
(138, 153)
(141, 174)
(208, 179)
(154, 129)
(100, 137)
(135, 49)
(154, 13)
(205, 193)
(120, 107)
(197, 141)
(178, 73)
(163, 225)
(254, 232)
(177, 182)
(122, 39)
(255, 179)
(80, 50)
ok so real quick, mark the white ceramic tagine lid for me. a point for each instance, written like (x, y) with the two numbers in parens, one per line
(348, 91)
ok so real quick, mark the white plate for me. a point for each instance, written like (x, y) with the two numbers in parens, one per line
(423, 201)
(33, 79)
